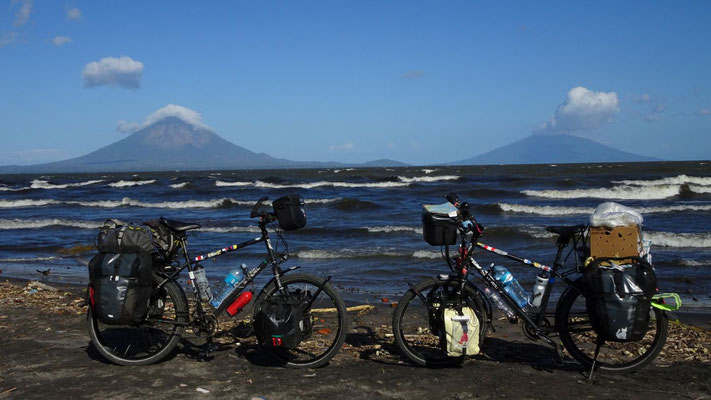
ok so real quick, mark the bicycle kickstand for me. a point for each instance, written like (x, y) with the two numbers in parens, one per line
(209, 348)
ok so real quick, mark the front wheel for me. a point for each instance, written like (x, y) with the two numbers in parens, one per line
(328, 320)
(146, 342)
(416, 325)
(580, 340)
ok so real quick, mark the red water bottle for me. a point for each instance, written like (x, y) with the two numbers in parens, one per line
(239, 303)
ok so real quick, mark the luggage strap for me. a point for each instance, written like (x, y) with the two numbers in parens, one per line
(659, 302)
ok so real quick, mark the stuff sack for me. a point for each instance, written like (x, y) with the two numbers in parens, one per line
(283, 321)
(116, 236)
(290, 212)
(618, 295)
(120, 287)
(461, 330)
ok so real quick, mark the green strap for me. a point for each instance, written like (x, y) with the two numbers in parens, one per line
(658, 301)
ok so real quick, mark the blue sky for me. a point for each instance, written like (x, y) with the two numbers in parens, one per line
(419, 82)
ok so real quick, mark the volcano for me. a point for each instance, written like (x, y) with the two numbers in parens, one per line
(168, 144)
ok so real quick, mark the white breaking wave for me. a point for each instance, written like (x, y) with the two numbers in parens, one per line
(323, 201)
(674, 180)
(121, 184)
(179, 185)
(43, 184)
(312, 185)
(428, 171)
(26, 203)
(231, 229)
(617, 192)
(696, 263)
(389, 228)
(42, 223)
(30, 259)
(545, 210)
(700, 189)
(223, 183)
(126, 201)
(426, 254)
(428, 178)
(668, 239)
(552, 210)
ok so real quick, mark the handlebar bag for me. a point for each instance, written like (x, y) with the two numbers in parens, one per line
(438, 230)
(283, 321)
(290, 212)
(120, 287)
(618, 295)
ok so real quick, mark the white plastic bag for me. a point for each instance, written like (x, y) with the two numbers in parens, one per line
(612, 215)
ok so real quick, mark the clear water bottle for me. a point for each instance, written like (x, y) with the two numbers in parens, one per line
(231, 280)
(538, 289)
(198, 276)
(511, 285)
(499, 302)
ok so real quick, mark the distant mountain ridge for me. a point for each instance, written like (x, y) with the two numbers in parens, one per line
(173, 144)
(551, 149)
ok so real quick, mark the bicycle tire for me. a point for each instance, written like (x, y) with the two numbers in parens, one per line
(411, 330)
(579, 338)
(147, 342)
(329, 327)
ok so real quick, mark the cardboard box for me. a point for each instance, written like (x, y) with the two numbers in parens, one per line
(623, 241)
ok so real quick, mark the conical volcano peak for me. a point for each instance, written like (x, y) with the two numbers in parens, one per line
(174, 132)
(184, 114)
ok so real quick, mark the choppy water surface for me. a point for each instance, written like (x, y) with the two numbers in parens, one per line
(364, 224)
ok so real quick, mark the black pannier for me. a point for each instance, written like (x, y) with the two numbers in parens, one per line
(438, 230)
(290, 212)
(618, 295)
(120, 287)
(283, 321)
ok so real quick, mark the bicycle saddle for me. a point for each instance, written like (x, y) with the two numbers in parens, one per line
(179, 226)
(565, 232)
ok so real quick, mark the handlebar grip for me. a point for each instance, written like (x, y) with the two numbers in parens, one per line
(254, 214)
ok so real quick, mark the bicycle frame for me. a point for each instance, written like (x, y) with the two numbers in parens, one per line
(534, 321)
(272, 259)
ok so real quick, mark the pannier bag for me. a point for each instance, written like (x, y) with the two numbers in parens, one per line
(438, 226)
(120, 287)
(116, 236)
(618, 295)
(290, 212)
(461, 330)
(283, 321)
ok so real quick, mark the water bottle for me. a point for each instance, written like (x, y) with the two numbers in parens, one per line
(231, 280)
(511, 285)
(499, 302)
(198, 276)
(538, 289)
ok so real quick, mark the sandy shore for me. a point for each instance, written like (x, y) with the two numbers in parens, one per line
(46, 351)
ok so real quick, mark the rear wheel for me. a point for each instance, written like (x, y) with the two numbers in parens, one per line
(580, 340)
(413, 321)
(149, 341)
(325, 332)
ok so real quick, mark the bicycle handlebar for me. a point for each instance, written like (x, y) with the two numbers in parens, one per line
(464, 210)
(255, 209)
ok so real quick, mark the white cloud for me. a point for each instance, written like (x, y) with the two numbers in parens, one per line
(23, 14)
(73, 13)
(582, 109)
(187, 115)
(656, 113)
(703, 112)
(7, 38)
(123, 71)
(342, 147)
(414, 74)
(61, 40)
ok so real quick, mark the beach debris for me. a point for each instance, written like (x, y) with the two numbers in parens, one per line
(41, 286)
(385, 300)
(201, 390)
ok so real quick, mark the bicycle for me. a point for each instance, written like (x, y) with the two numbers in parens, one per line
(418, 337)
(155, 337)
